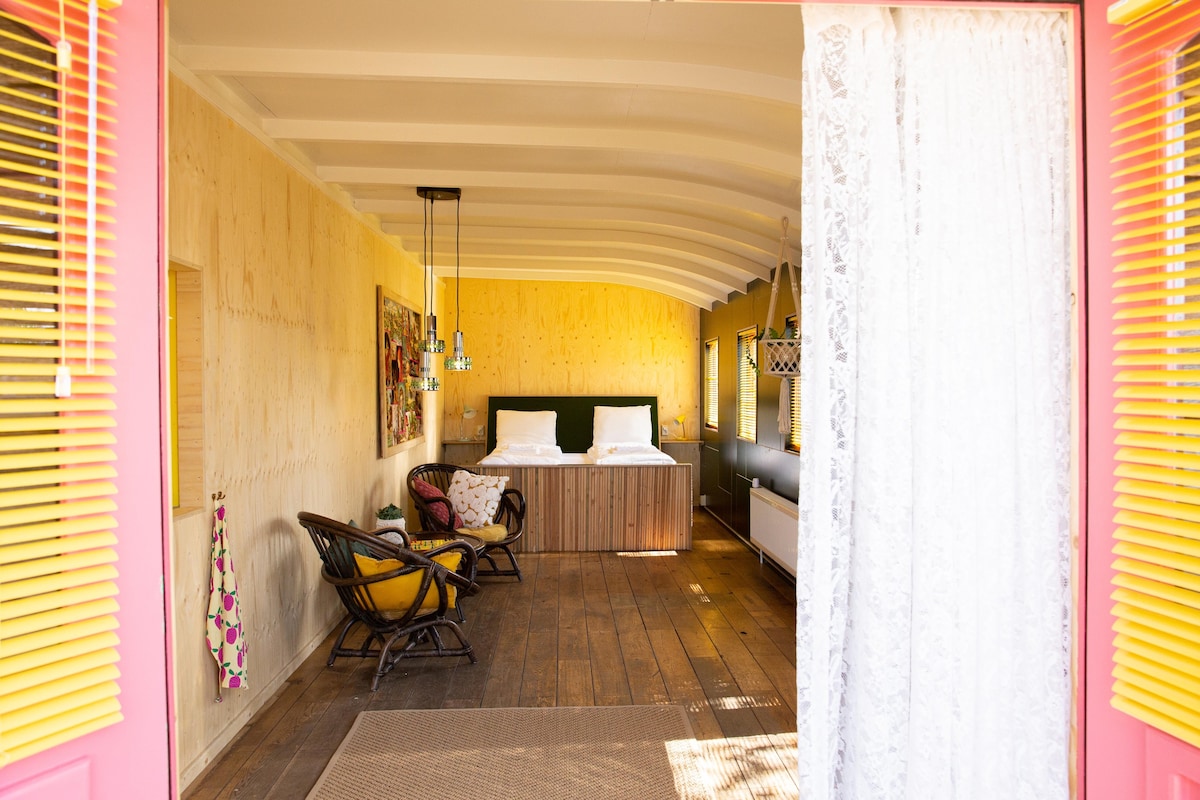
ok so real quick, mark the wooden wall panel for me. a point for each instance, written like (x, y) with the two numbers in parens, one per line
(289, 384)
(588, 508)
(562, 338)
(730, 463)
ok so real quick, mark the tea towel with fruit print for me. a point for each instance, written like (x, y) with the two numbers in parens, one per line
(225, 637)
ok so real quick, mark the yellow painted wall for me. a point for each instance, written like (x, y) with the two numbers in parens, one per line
(288, 281)
(564, 338)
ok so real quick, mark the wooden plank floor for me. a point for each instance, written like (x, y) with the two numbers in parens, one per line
(710, 629)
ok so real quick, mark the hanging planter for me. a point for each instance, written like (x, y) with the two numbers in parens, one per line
(781, 357)
(780, 353)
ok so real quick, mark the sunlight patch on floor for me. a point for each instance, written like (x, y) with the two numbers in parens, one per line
(741, 701)
(744, 767)
(646, 553)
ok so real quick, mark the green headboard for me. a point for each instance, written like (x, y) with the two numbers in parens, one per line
(574, 416)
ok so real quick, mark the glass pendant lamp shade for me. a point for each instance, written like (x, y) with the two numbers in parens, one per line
(427, 382)
(431, 343)
(457, 361)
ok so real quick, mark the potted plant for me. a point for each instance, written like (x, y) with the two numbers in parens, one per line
(390, 516)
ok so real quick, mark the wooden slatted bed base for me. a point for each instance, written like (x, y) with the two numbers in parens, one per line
(579, 507)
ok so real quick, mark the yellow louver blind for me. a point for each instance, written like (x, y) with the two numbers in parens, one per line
(711, 398)
(57, 591)
(793, 442)
(1156, 164)
(747, 385)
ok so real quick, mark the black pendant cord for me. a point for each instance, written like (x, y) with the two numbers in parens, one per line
(425, 256)
(429, 261)
(457, 260)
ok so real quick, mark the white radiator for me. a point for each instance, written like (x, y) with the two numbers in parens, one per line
(775, 527)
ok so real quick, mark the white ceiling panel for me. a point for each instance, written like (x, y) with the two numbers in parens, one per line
(648, 143)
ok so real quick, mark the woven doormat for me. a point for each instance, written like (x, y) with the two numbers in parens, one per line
(605, 753)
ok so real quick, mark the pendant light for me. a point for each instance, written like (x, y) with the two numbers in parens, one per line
(457, 362)
(428, 382)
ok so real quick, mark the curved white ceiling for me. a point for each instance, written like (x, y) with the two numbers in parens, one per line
(652, 144)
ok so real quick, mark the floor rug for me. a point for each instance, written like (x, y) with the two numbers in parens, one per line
(605, 753)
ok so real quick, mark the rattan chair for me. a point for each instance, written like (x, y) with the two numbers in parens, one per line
(400, 596)
(510, 513)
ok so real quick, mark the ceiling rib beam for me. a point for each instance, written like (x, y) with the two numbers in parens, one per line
(577, 183)
(687, 255)
(573, 272)
(281, 62)
(735, 253)
(744, 223)
(703, 148)
(713, 274)
(598, 263)
(741, 259)
(752, 245)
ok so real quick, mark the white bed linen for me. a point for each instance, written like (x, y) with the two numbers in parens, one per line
(543, 455)
(628, 453)
(524, 454)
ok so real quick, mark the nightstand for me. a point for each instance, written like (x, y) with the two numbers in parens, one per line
(685, 451)
(463, 452)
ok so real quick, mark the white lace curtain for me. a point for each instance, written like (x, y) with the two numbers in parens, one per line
(934, 566)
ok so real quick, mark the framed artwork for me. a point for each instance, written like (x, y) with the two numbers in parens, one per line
(399, 363)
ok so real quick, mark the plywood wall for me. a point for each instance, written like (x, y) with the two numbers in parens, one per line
(287, 279)
(529, 337)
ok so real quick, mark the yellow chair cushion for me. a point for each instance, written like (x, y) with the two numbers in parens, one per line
(397, 594)
(489, 533)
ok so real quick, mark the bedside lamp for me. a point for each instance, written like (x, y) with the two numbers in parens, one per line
(679, 422)
(467, 413)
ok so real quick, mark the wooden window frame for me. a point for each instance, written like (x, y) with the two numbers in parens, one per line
(712, 384)
(185, 333)
(747, 385)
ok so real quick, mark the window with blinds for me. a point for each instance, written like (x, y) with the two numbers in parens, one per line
(793, 439)
(747, 385)
(1156, 163)
(185, 360)
(57, 592)
(711, 398)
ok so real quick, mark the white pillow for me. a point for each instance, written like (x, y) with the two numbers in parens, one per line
(526, 427)
(475, 497)
(621, 425)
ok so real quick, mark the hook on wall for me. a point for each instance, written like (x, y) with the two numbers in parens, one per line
(218, 496)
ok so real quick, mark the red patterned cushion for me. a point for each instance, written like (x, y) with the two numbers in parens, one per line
(437, 510)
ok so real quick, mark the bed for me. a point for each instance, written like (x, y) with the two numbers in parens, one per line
(576, 504)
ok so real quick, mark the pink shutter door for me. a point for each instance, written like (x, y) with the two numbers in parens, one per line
(132, 758)
(1123, 759)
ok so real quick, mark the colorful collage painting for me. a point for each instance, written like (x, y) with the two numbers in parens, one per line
(399, 365)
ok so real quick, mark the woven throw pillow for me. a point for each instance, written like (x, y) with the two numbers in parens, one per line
(475, 497)
(438, 510)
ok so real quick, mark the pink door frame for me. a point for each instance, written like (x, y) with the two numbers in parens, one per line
(1116, 747)
(134, 757)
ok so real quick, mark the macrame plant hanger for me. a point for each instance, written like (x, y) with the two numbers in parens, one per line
(781, 356)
